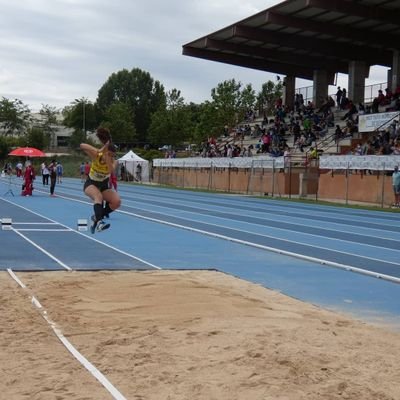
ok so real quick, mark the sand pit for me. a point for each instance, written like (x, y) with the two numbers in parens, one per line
(183, 335)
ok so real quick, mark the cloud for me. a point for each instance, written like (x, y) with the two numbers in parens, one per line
(53, 51)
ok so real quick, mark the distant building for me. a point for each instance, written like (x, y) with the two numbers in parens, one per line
(61, 136)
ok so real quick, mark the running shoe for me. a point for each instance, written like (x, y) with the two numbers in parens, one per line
(102, 226)
(93, 224)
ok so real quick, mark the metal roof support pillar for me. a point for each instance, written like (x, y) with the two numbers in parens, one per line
(289, 83)
(395, 71)
(358, 71)
(320, 87)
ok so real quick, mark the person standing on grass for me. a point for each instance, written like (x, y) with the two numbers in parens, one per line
(97, 183)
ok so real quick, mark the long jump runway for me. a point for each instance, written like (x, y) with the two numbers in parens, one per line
(38, 243)
(323, 254)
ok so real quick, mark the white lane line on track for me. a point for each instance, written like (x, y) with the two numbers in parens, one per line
(84, 361)
(320, 212)
(41, 230)
(34, 223)
(263, 247)
(259, 234)
(284, 230)
(276, 250)
(86, 236)
(267, 219)
(42, 250)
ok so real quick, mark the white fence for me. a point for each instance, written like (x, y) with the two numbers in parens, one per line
(377, 163)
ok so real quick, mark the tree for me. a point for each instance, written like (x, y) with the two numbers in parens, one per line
(4, 147)
(119, 119)
(37, 137)
(206, 121)
(247, 100)
(171, 123)
(14, 116)
(268, 95)
(139, 91)
(48, 123)
(81, 115)
(226, 99)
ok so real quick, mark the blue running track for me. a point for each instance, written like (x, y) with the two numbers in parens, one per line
(340, 258)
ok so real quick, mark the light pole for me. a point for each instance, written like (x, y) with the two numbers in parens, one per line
(83, 101)
(84, 119)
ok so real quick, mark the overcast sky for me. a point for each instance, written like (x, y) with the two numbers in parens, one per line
(54, 51)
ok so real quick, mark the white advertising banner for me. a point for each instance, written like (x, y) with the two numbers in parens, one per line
(376, 163)
(221, 162)
(371, 122)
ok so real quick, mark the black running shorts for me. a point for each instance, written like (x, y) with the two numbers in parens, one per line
(101, 185)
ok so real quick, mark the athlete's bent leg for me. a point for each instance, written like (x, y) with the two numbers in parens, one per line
(113, 201)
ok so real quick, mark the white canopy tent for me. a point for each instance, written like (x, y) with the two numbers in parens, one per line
(130, 161)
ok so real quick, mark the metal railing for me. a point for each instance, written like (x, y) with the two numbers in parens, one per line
(370, 92)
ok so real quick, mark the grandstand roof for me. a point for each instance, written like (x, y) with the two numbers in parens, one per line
(295, 37)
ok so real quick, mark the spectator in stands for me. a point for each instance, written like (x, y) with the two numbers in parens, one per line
(347, 130)
(313, 153)
(338, 133)
(297, 102)
(247, 152)
(286, 156)
(300, 142)
(326, 106)
(229, 152)
(296, 131)
(278, 103)
(388, 96)
(310, 138)
(276, 152)
(378, 101)
(344, 100)
(330, 119)
(393, 105)
(396, 186)
(358, 151)
(393, 129)
(395, 148)
(266, 142)
(361, 109)
(338, 96)
(309, 108)
(307, 124)
(352, 110)
(369, 148)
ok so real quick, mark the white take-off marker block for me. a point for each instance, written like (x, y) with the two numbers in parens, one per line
(82, 225)
(6, 224)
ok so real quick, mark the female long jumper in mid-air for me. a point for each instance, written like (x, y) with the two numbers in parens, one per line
(97, 183)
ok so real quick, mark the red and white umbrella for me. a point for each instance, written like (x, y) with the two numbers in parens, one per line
(27, 152)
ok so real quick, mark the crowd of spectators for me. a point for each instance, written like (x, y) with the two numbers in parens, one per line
(384, 142)
(306, 126)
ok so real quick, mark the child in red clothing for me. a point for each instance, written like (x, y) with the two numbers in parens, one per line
(29, 176)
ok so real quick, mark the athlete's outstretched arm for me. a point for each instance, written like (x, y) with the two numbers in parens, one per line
(89, 150)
